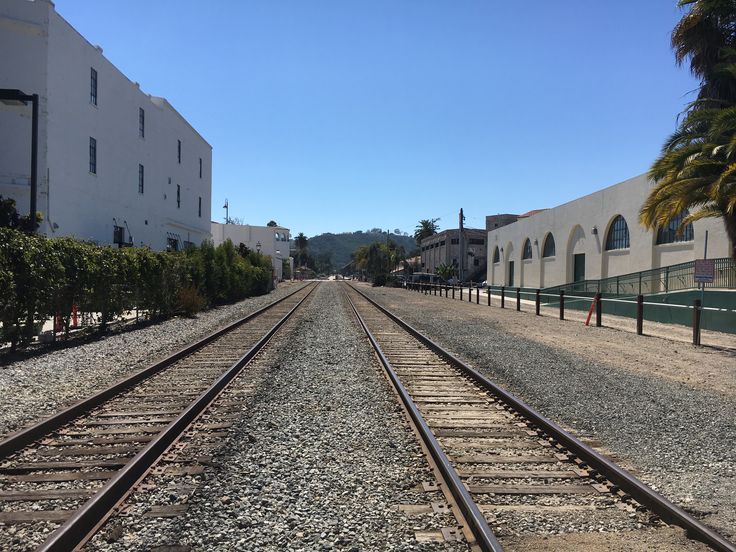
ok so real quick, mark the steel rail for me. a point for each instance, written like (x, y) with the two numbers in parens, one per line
(484, 536)
(16, 441)
(80, 527)
(657, 503)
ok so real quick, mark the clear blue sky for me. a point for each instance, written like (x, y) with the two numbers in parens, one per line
(346, 115)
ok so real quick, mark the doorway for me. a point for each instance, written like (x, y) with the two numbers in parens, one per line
(578, 269)
(511, 274)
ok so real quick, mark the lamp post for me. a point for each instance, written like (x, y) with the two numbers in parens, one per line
(258, 247)
(16, 97)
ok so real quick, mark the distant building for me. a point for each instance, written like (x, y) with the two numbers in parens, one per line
(445, 248)
(269, 240)
(115, 165)
(496, 221)
(596, 236)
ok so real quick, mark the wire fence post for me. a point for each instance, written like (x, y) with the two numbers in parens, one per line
(598, 310)
(562, 304)
(503, 297)
(461, 292)
(518, 299)
(470, 292)
(453, 291)
(640, 315)
(696, 321)
(537, 302)
(477, 296)
(488, 290)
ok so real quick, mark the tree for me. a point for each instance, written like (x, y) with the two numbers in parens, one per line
(301, 242)
(696, 169)
(425, 228)
(445, 271)
(272, 223)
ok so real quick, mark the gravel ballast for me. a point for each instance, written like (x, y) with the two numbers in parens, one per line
(38, 387)
(321, 459)
(679, 439)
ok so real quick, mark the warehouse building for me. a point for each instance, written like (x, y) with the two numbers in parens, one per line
(466, 252)
(115, 165)
(594, 237)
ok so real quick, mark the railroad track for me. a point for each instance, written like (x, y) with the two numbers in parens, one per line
(512, 473)
(63, 477)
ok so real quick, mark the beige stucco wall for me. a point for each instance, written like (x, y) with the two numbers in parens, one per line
(581, 226)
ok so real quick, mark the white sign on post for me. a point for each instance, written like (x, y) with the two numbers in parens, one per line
(705, 271)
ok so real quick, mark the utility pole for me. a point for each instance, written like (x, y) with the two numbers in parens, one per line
(227, 212)
(461, 242)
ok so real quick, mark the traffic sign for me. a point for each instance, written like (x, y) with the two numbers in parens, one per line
(705, 271)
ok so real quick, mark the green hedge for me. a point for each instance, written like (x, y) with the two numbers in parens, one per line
(40, 277)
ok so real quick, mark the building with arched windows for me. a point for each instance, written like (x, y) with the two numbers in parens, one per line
(596, 236)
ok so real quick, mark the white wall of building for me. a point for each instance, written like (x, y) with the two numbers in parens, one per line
(270, 240)
(49, 57)
(581, 227)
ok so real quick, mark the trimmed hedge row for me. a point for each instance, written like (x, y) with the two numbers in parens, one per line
(40, 277)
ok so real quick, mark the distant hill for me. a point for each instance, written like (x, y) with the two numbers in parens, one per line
(340, 246)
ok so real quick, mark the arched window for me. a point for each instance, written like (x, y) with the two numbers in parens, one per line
(671, 234)
(549, 246)
(496, 256)
(618, 234)
(527, 252)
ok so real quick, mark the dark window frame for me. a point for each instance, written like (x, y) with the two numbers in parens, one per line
(92, 155)
(200, 167)
(141, 122)
(178, 151)
(670, 234)
(141, 179)
(178, 196)
(526, 252)
(618, 235)
(199, 209)
(92, 86)
(549, 249)
(118, 234)
(496, 255)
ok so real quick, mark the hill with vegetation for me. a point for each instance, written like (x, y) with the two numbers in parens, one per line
(340, 246)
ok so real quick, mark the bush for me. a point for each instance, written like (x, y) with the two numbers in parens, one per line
(190, 300)
(40, 277)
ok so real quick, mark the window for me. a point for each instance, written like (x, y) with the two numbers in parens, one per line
(92, 86)
(454, 241)
(476, 261)
(618, 234)
(549, 246)
(92, 155)
(527, 252)
(141, 122)
(199, 209)
(476, 241)
(496, 256)
(672, 233)
(178, 196)
(442, 243)
(118, 234)
(172, 244)
(200, 167)
(140, 179)
(178, 150)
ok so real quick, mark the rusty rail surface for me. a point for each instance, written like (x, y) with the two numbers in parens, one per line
(478, 525)
(24, 437)
(86, 520)
(657, 503)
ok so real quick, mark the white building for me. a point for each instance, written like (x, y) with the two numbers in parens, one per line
(596, 236)
(269, 240)
(115, 164)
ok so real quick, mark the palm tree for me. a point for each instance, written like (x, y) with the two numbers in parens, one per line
(697, 167)
(425, 228)
(300, 242)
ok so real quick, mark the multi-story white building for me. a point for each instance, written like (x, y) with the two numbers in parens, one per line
(594, 237)
(115, 165)
(269, 240)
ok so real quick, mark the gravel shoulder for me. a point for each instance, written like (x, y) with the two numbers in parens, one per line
(666, 411)
(38, 387)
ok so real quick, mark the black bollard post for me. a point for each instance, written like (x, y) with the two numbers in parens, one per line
(562, 304)
(537, 301)
(598, 310)
(639, 315)
(503, 297)
(518, 299)
(696, 321)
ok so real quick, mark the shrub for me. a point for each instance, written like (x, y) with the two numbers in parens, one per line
(190, 301)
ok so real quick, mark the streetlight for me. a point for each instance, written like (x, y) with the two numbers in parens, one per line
(16, 97)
